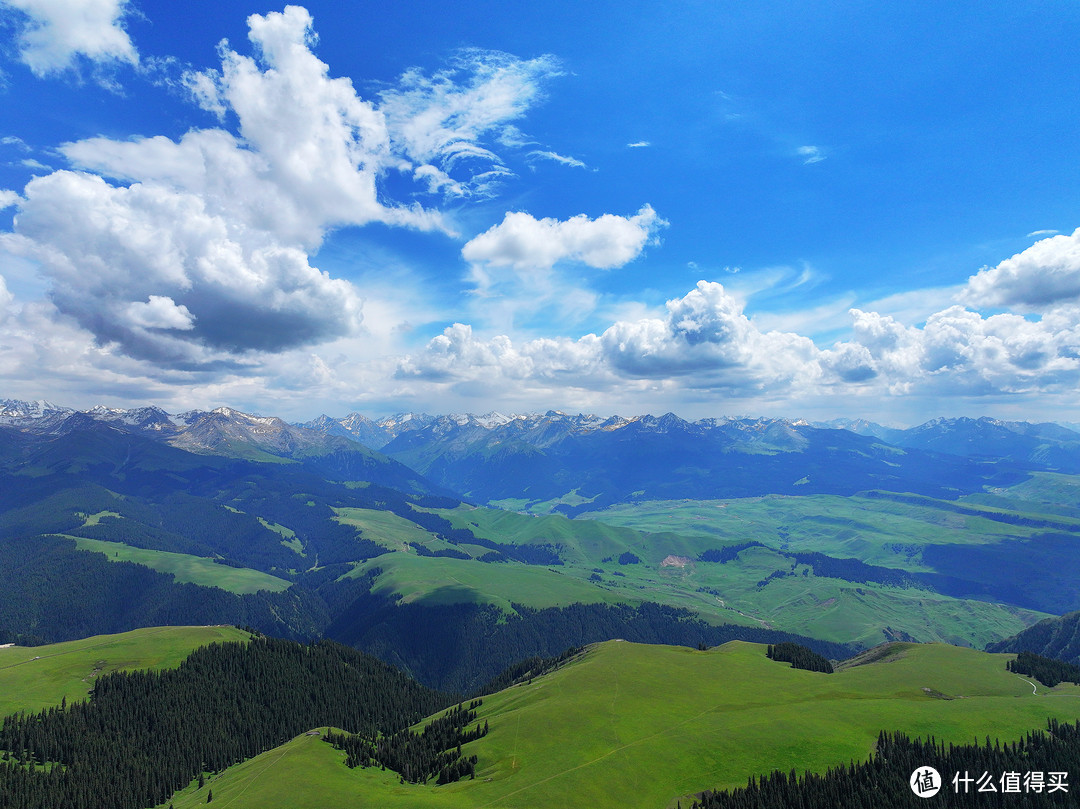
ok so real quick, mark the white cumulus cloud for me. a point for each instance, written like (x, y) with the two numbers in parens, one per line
(1045, 275)
(159, 312)
(57, 31)
(309, 153)
(6, 299)
(127, 262)
(705, 340)
(195, 251)
(524, 243)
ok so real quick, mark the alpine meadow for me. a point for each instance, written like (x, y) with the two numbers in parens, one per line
(501, 406)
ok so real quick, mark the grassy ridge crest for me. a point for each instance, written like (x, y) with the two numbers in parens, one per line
(36, 677)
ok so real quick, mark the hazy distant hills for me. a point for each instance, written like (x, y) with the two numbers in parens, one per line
(223, 516)
(1044, 445)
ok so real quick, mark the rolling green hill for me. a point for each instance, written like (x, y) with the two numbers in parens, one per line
(643, 726)
(36, 677)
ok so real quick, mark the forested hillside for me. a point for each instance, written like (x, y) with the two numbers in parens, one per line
(143, 736)
(1053, 637)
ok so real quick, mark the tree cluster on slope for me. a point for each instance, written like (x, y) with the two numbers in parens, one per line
(799, 657)
(1046, 670)
(435, 752)
(144, 735)
(883, 782)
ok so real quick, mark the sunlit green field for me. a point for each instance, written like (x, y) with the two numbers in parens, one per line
(669, 572)
(186, 568)
(36, 677)
(455, 581)
(875, 531)
(644, 726)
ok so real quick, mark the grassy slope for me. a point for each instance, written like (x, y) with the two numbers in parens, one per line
(641, 726)
(388, 528)
(186, 568)
(827, 608)
(456, 581)
(874, 531)
(32, 678)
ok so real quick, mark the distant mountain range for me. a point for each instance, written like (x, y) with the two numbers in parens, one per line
(573, 463)
(1045, 445)
(583, 462)
(224, 432)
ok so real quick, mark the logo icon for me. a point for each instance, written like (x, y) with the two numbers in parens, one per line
(925, 782)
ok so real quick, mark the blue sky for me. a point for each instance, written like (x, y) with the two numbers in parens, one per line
(863, 210)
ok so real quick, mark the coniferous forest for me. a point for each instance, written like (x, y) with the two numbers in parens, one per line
(799, 657)
(143, 735)
(990, 775)
(1046, 670)
(419, 757)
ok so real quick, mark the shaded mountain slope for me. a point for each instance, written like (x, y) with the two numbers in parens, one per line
(1058, 638)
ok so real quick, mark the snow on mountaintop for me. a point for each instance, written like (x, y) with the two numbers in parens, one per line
(18, 409)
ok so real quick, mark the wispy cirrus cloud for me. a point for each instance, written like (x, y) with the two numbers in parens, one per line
(555, 157)
(455, 119)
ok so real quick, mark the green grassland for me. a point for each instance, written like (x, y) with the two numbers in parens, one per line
(36, 677)
(644, 726)
(388, 529)
(1047, 492)
(289, 538)
(799, 601)
(185, 567)
(761, 587)
(580, 540)
(875, 531)
(442, 580)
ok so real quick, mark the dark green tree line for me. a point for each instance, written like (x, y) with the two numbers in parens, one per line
(799, 657)
(1046, 670)
(143, 735)
(883, 782)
